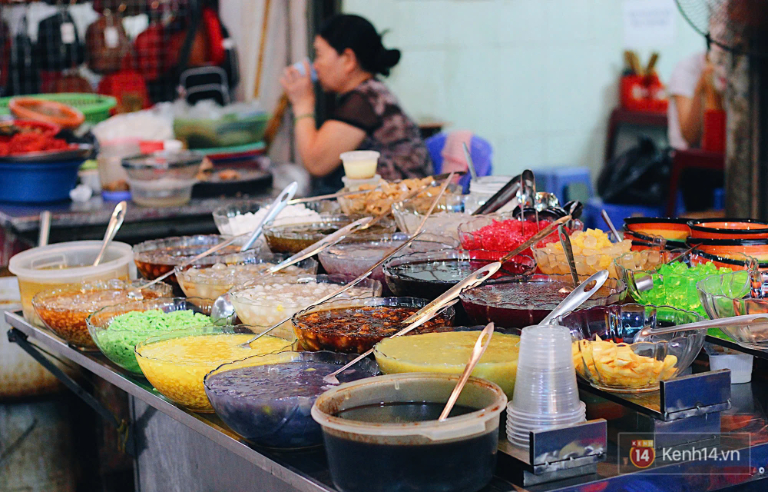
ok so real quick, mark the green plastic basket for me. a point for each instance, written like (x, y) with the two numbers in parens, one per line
(94, 107)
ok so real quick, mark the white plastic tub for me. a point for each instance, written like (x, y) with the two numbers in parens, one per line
(739, 364)
(61, 264)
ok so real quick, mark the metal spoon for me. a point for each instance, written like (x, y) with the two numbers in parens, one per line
(118, 215)
(578, 297)
(470, 163)
(45, 228)
(477, 352)
(744, 320)
(610, 225)
(428, 312)
(366, 273)
(528, 177)
(274, 210)
(565, 241)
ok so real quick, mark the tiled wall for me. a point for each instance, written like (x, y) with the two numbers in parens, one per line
(538, 78)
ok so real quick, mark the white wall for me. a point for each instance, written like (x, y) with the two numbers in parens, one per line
(538, 78)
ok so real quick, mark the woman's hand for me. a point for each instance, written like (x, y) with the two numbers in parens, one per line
(299, 89)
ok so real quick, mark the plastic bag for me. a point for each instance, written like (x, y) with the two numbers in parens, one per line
(639, 176)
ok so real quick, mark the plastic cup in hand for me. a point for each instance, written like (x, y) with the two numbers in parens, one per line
(360, 164)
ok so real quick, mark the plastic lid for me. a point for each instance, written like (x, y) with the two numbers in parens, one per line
(45, 263)
(359, 155)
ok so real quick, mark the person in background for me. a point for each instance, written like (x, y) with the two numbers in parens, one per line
(696, 85)
(349, 56)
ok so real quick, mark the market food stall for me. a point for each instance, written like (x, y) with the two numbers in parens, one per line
(234, 381)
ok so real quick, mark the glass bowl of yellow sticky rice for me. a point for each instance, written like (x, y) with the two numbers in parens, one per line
(176, 363)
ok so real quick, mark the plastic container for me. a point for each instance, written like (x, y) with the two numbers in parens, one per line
(176, 363)
(546, 393)
(458, 454)
(267, 399)
(356, 325)
(65, 310)
(360, 164)
(31, 182)
(229, 131)
(162, 179)
(739, 364)
(119, 345)
(444, 220)
(58, 265)
(111, 154)
(241, 218)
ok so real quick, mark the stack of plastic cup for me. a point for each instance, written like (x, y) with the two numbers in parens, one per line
(546, 394)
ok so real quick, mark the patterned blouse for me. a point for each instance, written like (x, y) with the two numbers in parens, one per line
(388, 130)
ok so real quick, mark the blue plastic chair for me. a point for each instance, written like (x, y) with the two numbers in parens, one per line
(559, 180)
(480, 150)
(593, 220)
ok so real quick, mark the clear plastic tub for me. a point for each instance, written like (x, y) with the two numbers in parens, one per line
(111, 153)
(360, 164)
(458, 454)
(162, 179)
(58, 265)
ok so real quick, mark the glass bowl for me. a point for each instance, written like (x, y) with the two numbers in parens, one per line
(444, 220)
(211, 281)
(447, 352)
(267, 398)
(293, 238)
(525, 301)
(675, 284)
(118, 343)
(356, 325)
(591, 253)
(65, 310)
(430, 274)
(274, 298)
(241, 218)
(606, 355)
(355, 256)
(162, 179)
(160, 256)
(497, 234)
(736, 294)
(176, 363)
(379, 201)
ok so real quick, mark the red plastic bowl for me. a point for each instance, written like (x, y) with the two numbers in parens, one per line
(44, 128)
(728, 229)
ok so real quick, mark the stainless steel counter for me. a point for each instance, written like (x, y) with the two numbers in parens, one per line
(179, 450)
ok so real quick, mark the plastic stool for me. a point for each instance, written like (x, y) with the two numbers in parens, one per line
(558, 180)
(480, 150)
(593, 220)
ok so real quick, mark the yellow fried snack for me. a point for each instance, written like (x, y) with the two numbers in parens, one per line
(616, 365)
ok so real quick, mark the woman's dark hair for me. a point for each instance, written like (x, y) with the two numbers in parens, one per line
(359, 35)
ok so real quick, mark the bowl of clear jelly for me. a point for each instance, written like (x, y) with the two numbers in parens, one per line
(267, 399)
(382, 434)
